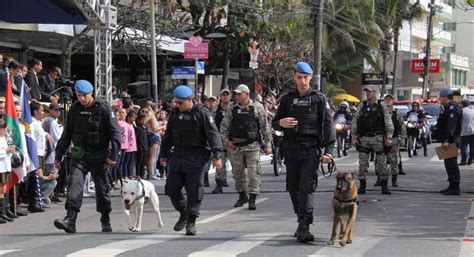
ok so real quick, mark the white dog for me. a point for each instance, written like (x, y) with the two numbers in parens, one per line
(135, 194)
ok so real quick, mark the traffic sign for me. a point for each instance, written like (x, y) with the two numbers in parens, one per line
(418, 66)
(182, 72)
(196, 49)
(373, 79)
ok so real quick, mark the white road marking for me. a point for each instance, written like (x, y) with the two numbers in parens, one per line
(467, 244)
(36, 242)
(118, 247)
(435, 159)
(221, 215)
(2, 252)
(359, 246)
(234, 247)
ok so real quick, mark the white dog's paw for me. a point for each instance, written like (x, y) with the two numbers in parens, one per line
(135, 229)
(160, 224)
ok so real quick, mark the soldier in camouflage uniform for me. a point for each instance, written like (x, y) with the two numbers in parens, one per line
(220, 111)
(399, 136)
(372, 129)
(244, 124)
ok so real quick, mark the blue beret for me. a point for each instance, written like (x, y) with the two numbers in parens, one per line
(84, 87)
(303, 67)
(446, 91)
(183, 91)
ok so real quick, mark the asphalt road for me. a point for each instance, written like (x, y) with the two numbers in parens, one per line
(414, 221)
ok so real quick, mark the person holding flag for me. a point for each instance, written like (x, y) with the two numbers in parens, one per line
(12, 144)
(32, 180)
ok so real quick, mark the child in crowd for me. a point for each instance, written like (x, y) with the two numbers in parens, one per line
(129, 160)
(117, 171)
(5, 169)
(142, 144)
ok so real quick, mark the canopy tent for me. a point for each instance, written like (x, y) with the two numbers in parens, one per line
(346, 97)
(40, 11)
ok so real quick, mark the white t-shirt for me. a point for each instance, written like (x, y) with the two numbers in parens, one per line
(39, 136)
(5, 158)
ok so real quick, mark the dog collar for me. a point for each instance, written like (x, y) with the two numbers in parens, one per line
(347, 201)
(143, 191)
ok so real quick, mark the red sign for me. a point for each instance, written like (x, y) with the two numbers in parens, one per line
(196, 49)
(417, 66)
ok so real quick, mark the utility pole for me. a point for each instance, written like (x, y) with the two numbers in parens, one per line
(154, 72)
(318, 34)
(426, 59)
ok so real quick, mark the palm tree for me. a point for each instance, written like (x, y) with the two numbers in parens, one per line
(407, 12)
(350, 34)
(390, 15)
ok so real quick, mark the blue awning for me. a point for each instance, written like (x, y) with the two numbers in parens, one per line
(40, 11)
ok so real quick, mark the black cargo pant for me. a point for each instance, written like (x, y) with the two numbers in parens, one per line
(452, 169)
(187, 172)
(302, 180)
(79, 170)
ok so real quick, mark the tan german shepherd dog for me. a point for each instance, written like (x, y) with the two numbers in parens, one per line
(344, 202)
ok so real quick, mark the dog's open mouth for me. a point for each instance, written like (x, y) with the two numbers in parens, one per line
(127, 206)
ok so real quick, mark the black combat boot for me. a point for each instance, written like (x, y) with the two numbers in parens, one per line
(9, 206)
(302, 233)
(378, 183)
(105, 223)
(453, 189)
(243, 199)
(252, 205)
(191, 226)
(385, 190)
(394, 181)
(181, 222)
(67, 224)
(362, 186)
(3, 215)
(218, 189)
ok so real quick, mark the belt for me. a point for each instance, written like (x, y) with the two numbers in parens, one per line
(371, 134)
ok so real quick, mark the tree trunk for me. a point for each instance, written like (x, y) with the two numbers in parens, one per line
(225, 70)
(396, 34)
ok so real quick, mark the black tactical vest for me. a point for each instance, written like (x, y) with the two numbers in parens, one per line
(305, 110)
(244, 124)
(220, 113)
(371, 120)
(187, 129)
(89, 127)
(396, 126)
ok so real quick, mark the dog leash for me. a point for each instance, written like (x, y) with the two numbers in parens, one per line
(111, 180)
(331, 168)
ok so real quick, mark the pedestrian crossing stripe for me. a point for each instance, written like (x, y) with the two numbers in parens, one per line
(359, 247)
(237, 246)
(221, 215)
(2, 252)
(118, 247)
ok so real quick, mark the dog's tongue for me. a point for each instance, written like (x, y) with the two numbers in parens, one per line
(127, 206)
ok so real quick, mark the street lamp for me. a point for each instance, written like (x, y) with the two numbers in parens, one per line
(218, 35)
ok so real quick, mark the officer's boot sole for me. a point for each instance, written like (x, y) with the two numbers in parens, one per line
(60, 224)
(180, 224)
(305, 237)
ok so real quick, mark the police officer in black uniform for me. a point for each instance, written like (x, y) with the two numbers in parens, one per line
(93, 130)
(304, 116)
(449, 127)
(190, 133)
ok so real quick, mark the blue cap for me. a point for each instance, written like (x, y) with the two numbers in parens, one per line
(84, 87)
(304, 67)
(183, 91)
(446, 91)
